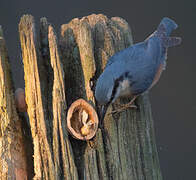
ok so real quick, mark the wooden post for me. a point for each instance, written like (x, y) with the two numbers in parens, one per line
(12, 149)
(53, 158)
(126, 149)
(57, 74)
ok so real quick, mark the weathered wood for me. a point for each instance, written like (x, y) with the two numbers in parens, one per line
(45, 97)
(43, 162)
(12, 152)
(57, 74)
(63, 156)
(126, 148)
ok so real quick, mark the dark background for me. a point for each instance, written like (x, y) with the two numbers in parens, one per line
(173, 99)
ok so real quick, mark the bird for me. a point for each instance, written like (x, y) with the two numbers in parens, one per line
(136, 69)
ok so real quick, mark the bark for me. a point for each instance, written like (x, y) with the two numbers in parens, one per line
(57, 74)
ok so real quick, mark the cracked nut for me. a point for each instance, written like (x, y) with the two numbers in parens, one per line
(82, 120)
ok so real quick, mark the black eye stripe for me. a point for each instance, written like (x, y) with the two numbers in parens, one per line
(126, 75)
(116, 84)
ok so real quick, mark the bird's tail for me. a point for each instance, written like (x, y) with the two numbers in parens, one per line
(164, 30)
(169, 25)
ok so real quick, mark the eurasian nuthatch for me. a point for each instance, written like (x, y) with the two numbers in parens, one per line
(137, 68)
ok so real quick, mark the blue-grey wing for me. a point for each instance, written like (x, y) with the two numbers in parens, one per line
(149, 58)
(137, 63)
(123, 53)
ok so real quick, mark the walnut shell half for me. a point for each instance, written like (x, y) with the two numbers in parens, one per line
(82, 120)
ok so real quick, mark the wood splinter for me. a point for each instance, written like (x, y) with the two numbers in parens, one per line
(82, 120)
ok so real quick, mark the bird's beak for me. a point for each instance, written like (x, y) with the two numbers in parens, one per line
(102, 112)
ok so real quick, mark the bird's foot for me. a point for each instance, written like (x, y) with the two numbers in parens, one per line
(123, 108)
(126, 106)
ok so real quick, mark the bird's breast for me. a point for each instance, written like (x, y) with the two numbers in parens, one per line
(157, 75)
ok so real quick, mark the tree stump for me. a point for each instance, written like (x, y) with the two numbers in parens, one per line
(59, 72)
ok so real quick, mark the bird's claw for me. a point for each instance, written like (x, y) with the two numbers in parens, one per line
(123, 108)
